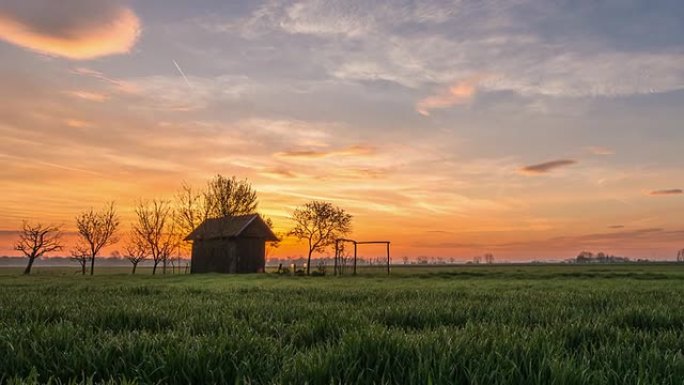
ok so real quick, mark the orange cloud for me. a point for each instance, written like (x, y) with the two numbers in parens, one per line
(349, 151)
(459, 93)
(76, 29)
(674, 191)
(597, 150)
(76, 123)
(546, 167)
(90, 96)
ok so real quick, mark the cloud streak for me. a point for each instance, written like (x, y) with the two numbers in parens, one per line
(546, 167)
(357, 150)
(73, 29)
(459, 93)
(674, 191)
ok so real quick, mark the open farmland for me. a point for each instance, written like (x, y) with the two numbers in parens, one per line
(619, 324)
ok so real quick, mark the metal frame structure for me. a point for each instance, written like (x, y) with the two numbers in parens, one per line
(338, 267)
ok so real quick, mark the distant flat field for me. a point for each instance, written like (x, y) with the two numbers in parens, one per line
(486, 324)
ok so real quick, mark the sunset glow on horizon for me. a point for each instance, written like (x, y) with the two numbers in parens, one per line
(450, 128)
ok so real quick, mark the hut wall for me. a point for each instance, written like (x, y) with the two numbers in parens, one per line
(214, 256)
(252, 255)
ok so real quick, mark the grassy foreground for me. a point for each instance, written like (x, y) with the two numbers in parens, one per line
(468, 325)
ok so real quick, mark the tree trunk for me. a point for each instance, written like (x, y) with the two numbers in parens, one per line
(92, 265)
(134, 266)
(83, 267)
(27, 271)
(308, 263)
(154, 268)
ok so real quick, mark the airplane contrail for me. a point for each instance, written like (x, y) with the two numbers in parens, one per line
(182, 73)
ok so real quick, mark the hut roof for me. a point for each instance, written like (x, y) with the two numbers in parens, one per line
(231, 227)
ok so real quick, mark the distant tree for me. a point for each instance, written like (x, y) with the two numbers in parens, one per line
(477, 259)
(320, 224)
(155, 231)
(135, 251)
(37, 240)
(81, 254)
(405, 259)
(192, 208)
(489, 258)
(222, 197)
(97, 229)
(585, 256)
(680, 256)
(272, 246)
(229, 197)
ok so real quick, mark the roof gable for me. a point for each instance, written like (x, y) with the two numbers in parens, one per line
(232, 227)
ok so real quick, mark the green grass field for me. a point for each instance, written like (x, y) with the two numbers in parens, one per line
(486, 325)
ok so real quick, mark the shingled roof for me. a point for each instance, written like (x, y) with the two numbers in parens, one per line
(231, 227)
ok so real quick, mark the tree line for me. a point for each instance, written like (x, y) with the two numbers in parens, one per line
(159, 226)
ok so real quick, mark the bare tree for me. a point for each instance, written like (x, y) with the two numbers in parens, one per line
(37, 240)
(134, 251)
(489, 258)
(97, 229)
(192, 208)
(680, 255)
(320, 223)
(229, 197)
(272, 246)
(156, 230)
(81, 254)
(221, 197)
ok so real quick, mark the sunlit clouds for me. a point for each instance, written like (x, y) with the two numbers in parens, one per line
(546, 167)
(451, 128)
(674, 191)
(74, 29)
(459, 93)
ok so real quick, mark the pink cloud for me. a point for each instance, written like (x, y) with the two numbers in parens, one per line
(74, 29)
(459, 93)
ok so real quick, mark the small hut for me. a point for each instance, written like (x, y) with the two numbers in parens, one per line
(230, 245)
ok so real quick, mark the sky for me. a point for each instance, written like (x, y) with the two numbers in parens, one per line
(530, 129)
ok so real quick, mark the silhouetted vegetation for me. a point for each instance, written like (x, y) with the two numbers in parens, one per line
(320, 224)
(37, 240)
(135, 251)
(96, 230)
(588, 257)
(155, 233)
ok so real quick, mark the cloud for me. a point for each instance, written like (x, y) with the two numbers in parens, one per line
(459, 93)
(74, 29)
(674, 191)
(411, 45)
(77, 123)
(357, 150)
(601, 151)
(90, 96)
(546, 167)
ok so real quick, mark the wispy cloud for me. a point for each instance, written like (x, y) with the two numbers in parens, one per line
(89, 95)
(546, 167)
(74, 29)
(600, 151)
(494, 37)
(356, 150)
(674, 191)
(459, 93)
